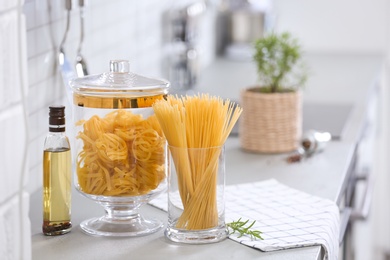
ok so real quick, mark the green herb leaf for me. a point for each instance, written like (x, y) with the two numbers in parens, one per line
(239, 226)
(280, 63)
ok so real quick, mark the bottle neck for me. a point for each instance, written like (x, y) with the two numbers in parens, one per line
(57, 128)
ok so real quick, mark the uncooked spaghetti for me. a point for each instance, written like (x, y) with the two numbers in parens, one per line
(123, 155)
(188, 123)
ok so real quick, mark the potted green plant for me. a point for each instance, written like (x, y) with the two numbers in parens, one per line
(271, 121)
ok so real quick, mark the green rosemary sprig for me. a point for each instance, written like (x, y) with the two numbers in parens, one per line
(239, 226)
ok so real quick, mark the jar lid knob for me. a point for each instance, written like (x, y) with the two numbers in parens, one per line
(120, 66)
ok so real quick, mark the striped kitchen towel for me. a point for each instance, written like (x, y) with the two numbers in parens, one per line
(287, 218)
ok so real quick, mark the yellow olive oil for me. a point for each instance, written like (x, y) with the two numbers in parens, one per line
(57, 175)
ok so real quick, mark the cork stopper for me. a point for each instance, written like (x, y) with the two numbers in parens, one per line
(57, 118)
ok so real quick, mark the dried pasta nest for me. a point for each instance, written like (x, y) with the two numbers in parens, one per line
(123, 154)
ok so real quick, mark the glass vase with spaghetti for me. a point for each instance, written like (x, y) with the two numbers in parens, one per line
(196, 128)
(120, 150)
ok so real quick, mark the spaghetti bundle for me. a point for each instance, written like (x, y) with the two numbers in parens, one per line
(196, 128)
(123, 155)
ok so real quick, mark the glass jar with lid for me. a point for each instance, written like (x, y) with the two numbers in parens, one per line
(120, 152)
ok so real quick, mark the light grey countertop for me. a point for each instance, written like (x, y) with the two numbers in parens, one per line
(337, 79)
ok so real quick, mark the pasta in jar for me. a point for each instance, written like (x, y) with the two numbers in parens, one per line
(122, 155)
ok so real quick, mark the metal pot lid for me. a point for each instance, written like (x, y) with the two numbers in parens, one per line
(119, 80)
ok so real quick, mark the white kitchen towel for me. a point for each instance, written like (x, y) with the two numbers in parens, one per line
(287, 218)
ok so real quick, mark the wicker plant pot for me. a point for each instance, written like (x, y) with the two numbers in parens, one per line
(270, 122)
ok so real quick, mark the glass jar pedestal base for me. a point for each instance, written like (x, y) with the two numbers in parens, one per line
(134, 225)
(122, 218)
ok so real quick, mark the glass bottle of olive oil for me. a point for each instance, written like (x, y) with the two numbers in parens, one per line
(57, 175)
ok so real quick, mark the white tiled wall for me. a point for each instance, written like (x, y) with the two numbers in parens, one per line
(15, 234)
(16, 244)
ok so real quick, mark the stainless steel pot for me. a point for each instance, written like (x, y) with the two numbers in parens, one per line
(246, 25)
(240, 23)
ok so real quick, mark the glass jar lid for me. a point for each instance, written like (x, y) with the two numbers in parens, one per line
(119, 80)
(118, 88)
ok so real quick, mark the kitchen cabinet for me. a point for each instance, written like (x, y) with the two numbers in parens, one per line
(337, 81)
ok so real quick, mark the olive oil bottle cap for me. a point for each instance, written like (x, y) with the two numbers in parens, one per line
(57, 118)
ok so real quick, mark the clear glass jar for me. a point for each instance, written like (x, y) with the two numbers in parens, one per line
(196, 195)
(120, 151)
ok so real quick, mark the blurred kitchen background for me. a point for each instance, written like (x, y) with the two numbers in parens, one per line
(171, 39)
